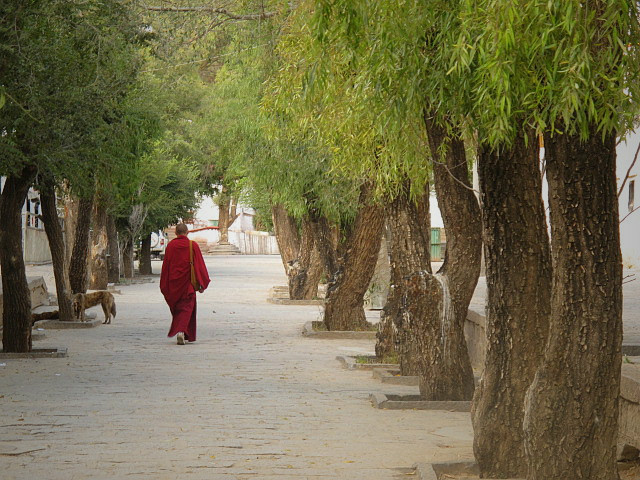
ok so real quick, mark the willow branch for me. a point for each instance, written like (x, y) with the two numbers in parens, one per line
(629, 171)
(219, 11)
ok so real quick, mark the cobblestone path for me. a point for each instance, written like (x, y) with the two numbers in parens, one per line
(251, 399)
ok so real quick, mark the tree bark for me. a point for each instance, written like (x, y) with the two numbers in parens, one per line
(409, 226)
(300, 255)
(127, 257)
(144, 262)
(70, 220)
(285, 228)
(99, 275)
(345, 294)
(54, 233)
(305, 270)
(80, 256)
(445, 368)
(571, 420)
(16, 314)
(387, 334)
(518, 287)
(113, 259)
(223, 218)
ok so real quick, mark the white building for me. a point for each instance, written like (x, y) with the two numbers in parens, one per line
(242, 232)
(35, 245)
(627, 173)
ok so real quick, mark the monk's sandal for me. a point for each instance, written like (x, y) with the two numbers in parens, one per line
(180, 338)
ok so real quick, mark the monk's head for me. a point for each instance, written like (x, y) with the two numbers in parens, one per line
(181, 229)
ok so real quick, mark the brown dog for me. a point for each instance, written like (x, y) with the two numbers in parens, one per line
(81, 301)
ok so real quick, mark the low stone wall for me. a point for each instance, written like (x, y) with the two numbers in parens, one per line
(39, 294)
(629, 423)
(36, 246)
(254, 243)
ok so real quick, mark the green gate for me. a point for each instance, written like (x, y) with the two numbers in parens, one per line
(436, 247)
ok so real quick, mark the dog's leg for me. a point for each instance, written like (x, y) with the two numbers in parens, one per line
(107, 314)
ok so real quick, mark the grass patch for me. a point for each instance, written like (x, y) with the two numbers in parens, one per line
(371, 359)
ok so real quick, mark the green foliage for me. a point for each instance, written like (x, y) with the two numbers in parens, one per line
(66, 67)
(554, 65)
(340, 88)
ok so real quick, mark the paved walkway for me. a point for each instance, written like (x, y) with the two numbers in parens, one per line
(251, 399)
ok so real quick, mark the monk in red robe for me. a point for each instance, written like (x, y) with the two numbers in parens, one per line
(176, 286)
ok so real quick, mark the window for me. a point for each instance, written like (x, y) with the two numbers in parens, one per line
(632, 187)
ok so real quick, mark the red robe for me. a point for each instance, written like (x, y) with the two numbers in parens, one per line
(175, 285)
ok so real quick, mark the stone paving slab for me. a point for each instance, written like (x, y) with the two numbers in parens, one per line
(251, 399)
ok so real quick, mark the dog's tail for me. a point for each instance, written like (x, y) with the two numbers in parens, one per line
(113, 309)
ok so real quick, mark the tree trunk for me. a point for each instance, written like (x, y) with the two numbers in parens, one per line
(445, 368)
(408, 223)
(144, 261)
(113, 259)
(70, 220)
(16, 314)
(99, 275)
(305, 270)
(127, 258)
(54, 233)
(327, 246)
(571, 420)
(518, 288)
(386, 336)
(285, 228)
(80, 255)
(345, 295)
(224, 201)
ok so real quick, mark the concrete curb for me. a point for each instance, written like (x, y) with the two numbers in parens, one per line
(308, 331)
(54, 352)
(287, 301)
(413, 402)
(444, 470)
(393, 377)
(350, 363)
(60, 325)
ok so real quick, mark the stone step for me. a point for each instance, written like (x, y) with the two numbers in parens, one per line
(224, 249)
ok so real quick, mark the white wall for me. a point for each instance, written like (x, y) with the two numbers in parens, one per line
(630, 227)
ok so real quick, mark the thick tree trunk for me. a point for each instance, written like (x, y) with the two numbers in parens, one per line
(518, 288)
(80, 256)
(285, 228)
(99, 275)
(113, 259)
(16, 314)
(345, 295)
(144, 262)
(70, 220)
(408, 223)
(445, 368)
(53, 230)
(386, 336)
(223, 218)
(127, 258)
(571, 420)
(305, 270)
(327, 245)
(226, 215)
